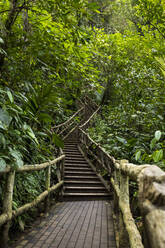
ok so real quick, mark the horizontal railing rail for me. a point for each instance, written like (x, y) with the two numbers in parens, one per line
(65, 128)
(88, 122)
(88, 101)
(151, 196)
(87, 108)
(7, 211)
(67, 121)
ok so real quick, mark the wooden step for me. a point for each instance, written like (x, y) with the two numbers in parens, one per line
(73, 155)
(79, 168)
(83, 183)
(77, 178)
(76, 189)
(72, 158)
(75, 159)
(76, 165)
(84, 173)
(71, 142)
(83, 164)
(70, 146)
(80, 181)
(86, 196)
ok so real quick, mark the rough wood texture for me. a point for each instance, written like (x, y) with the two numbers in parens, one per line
(7, 217)
(7, 213)
(87, 123)
(79, 224)
(107, 186)
(129, 169)
(7, 207)
(70, 119)
(151, 193)
(34, 203)
(133, 233)
(152, 204)
(103, 160)
(35, 167)
(120, 185)
(67, 127)
(3, 218)
(47, 186)
(155, 228)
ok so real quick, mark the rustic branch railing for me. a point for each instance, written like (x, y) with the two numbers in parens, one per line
(87, 124)
(88, 101)
(65, 128)
(7, 213)
(151, 196)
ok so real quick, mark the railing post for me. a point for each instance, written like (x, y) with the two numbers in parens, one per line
(116, 198)
(62, 177)
(124, 198)
(152, 205)
(62, 169)
(47, 184)
(7, 207)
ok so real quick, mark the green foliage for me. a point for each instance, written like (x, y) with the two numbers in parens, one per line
(46, 64)
(120, 135)
(53, 52)
(134, 90)
(151, 16)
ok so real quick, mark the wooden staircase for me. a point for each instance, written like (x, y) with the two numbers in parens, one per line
(80, 181)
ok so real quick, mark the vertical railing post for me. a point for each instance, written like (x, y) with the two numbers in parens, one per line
(7, 207)
(116, 204)
(47, 185)
(116, 199)
(62, 177)
(124, 197)
(62, 169)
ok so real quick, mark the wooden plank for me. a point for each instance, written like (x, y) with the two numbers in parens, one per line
(80, 224)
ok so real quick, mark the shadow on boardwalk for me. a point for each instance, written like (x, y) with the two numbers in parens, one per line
(78, 224)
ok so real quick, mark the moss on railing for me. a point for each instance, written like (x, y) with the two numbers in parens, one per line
(7, 213)
(151, 196)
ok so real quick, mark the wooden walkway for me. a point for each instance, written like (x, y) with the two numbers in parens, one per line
(74, 224)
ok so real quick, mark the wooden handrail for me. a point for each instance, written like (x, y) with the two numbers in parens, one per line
(64, 129)
(7, 212)
(90, 101)
(34, 167)
(86, 124)
(67, 121)
(151, 194)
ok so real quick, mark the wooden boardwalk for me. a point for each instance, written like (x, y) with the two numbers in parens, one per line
(74, 224)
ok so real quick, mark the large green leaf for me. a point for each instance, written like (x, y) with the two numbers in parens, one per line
(10, 96)
(157, 155)
(30, 132)
(57, 140)
(2, 140)
(5, 118)
(158, 135)
(18, 162)
(137, 155)
(1, 40)
(121, 140)
(45, 118)
(2, 164)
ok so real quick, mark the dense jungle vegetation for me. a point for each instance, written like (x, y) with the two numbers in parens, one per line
(54, 52)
